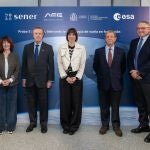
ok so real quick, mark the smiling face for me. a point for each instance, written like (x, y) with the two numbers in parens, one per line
(110, 38)
(143, 29)
(6, 45)
(71, 38)
(38, 35)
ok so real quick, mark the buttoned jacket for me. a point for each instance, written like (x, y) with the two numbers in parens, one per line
(42, 71)
(143, 59)
(77, 60)
(110, 76)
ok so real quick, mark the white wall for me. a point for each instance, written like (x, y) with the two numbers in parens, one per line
(18, 3)
(74, 3)
(58, 2)
(145, 2)
(126, 2)
(95, 2)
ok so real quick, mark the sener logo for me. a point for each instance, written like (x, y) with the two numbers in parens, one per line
(119, 17)
(10, 16)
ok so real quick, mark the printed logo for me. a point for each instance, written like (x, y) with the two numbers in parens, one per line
(10, 16)
(53, 16)
(119, 17)
(73, 17)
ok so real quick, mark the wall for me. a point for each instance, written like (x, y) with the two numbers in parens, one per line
(75, 3)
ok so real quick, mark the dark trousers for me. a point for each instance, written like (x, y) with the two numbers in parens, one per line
(8, 108)
(142, 99)
(70, 104)
(110, 98)
(37, 97)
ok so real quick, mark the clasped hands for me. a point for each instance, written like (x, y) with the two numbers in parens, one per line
(5, 82)
(135, 74)
(71, 80)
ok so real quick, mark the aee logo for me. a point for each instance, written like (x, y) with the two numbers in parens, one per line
(118, 16)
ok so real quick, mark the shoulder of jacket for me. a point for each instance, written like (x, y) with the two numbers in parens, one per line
(77, 45)
(46, 44)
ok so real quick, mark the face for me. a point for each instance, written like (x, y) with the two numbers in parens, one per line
(71, 38)
(38, 35)
(6, 45)
(143, 29)
(110, 39)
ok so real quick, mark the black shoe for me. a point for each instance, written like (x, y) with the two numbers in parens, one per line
(30, 128)
(147, 138)
(118, 131)
(43, 129)
(65, 131)
(71, 132)
(140, 129)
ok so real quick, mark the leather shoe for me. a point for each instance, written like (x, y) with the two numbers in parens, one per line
(103, 130)
(71, 132)
(118, 131)
(65, 131)
(140, 129)
(43, 129)
(147, 138)
(30, 128)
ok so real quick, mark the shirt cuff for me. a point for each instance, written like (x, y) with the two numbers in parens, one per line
(11, 80)
(1, 81)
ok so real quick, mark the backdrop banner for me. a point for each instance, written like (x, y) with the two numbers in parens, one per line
(91, 24)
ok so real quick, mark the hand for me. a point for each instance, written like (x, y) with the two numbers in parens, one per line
(49, 84)
(74, 79)
(6, 82)
(134, 73)
(139, 77)
(69, 80)
(23, 83)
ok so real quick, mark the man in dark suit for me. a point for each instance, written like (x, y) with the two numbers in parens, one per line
(109, 65)
(37, 75)
(139, 68)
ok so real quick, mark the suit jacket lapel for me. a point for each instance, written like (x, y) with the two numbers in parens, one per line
(104, 55)
(42, 49)
(145, 44)
(76, 53)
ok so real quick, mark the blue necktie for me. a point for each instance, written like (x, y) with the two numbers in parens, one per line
(36, 53)
(137, 53)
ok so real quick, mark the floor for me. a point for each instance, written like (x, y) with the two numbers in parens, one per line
(87, 138)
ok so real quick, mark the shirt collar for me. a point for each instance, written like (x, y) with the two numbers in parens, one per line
(38, 44)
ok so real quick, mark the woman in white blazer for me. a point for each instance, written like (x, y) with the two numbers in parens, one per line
(71, 63)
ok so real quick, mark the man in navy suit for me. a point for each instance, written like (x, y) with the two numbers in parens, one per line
(109, 65)
(139, 68)
(37, 75)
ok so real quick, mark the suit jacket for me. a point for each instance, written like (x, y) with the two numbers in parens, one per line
(143, 61)
(77, 60)
(13, 67)
(43, 70)
(109, 76)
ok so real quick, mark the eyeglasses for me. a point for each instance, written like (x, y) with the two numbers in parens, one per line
(142, 28)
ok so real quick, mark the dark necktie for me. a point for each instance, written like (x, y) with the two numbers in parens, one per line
(109, 58)
(36, 53)
(137, 53)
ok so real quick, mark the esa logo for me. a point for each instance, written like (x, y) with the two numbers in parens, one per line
(118, 16)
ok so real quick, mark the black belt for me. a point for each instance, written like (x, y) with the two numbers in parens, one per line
(71, 73)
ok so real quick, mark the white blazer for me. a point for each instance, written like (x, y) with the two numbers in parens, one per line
(77, 60)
